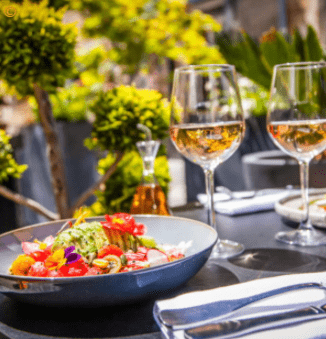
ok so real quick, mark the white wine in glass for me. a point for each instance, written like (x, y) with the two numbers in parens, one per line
(296, 121)
(207, 127)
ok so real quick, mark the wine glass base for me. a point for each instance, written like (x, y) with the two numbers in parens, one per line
(226, 249)
(302, 237)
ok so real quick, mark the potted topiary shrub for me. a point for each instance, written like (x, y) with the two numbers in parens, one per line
(117, 114)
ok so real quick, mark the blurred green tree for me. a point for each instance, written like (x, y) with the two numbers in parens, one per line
(142, 28)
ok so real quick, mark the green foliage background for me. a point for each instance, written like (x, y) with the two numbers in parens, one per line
(8, 165)
(141, 28)
(69, 104)
(56, 4)
(36, 47)
(256, 59)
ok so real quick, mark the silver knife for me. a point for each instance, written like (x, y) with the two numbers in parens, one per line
(239, 327)
(229, 299)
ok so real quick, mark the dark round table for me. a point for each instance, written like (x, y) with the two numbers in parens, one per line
(263, 257)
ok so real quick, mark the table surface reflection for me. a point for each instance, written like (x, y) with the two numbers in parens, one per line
(263, 257)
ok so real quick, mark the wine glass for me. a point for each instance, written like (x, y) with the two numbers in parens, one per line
(207, 127)
(296, 122)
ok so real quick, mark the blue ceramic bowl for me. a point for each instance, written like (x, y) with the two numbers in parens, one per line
(104, 290)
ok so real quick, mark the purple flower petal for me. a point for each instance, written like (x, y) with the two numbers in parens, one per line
(69, 250)
(72, 257)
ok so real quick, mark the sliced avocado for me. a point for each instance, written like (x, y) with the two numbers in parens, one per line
(147, 241)
(86, 237)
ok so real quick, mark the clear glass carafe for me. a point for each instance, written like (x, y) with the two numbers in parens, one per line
(149, 197)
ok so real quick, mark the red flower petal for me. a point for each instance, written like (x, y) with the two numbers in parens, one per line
(125, 223)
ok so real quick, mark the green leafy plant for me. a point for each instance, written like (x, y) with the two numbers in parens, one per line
(255, 60)
(117, 113)
(8, 165)
(37, 57)
(36, 47)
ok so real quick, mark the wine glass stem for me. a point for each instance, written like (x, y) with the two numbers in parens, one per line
(209, 181)
(304, 181)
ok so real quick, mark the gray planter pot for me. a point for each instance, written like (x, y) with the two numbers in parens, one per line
(276, 169)
(35, 183)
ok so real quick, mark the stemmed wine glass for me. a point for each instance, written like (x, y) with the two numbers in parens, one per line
(207, 127)
(296, 121)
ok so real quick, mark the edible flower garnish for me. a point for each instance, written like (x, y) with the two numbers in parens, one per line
(36, 245)
(42, 245)
(125, 223)
(22, 264)
(56, 260)
(81, 216)
(71, 256)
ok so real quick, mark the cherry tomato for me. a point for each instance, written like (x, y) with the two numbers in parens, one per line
(75, 269)
(110, 249)
(55, 274)
(40, 255)
(38, 270)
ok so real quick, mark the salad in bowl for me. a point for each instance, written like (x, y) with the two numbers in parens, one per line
(128, 258)
(118, 244)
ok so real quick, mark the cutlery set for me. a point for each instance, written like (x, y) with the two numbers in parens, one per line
(232, 311)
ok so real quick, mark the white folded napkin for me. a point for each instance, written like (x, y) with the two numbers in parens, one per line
(262, 202)
(255, 204)
(292, 300)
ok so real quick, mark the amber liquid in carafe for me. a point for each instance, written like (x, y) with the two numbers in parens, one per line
(149, 199)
